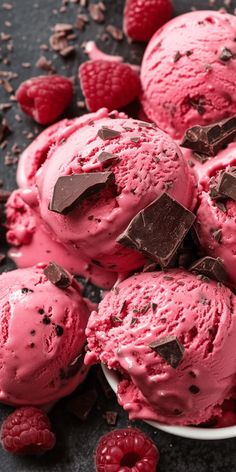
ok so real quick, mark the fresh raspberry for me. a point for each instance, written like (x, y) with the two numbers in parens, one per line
(27, 431)
(142, 18)
(108, 84)
(126, 450)
(45, 98)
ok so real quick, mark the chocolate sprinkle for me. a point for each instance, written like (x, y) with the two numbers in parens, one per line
(70, 190)
(210, 267)
(159, 229)
(108, 133)
(57, 275)
(227, 185)
(208, 140)
(170, 349)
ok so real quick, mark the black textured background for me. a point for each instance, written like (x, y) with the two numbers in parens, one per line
(31, 22)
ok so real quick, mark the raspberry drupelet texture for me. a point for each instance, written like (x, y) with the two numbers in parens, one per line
(142, 18)
(27, 431)
(108, 84)
(44, 98)
(126, 450)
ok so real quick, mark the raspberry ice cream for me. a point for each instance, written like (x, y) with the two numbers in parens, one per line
(42, 336)
(216, 213)
(188, 71)
(171, 336)
(142, 161)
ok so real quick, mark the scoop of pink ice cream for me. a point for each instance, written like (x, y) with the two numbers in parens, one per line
(188, 71)
(42, 336)
(146, 162)
(36, 153)
(149, 307)
(216, 217)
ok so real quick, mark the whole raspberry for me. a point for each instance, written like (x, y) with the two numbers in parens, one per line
(108, 84)
(126, 450)
(142, 18)
(44, 98)
(27, 431)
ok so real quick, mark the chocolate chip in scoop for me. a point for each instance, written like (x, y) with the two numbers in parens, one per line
(70, 190)
(170, 349)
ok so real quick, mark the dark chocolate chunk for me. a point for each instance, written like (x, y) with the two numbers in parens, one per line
(133, 321)
(57, 275)
(170, 349)
(227, 185)
(82, 404)
(194, 389)
(211, 267)
(108, 133)
(70, 190)
(106, 157)
(154, 307)
(59, 330)
(159, 229)
(208, 140)
(73, 368)
(46, 320)
(217, 234)
(198, 104)
(226, 54)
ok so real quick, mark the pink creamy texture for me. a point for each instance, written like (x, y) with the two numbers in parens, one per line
(177, 85)
(35, 363)
(201, 315)
(210, 218)
(143, 169)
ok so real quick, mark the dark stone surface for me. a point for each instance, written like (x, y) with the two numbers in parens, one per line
(76, 441)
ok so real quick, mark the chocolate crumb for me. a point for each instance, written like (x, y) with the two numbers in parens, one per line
(177, 57)
(67, 51)
(59, 330)
(41, 311)
(115, 32)
(45, 64)
(194, 389)
(82, 404)
(33, 332)
(111, 417)
(217, 234)
(4, 195)
(226, 54)
(46, 320)
(26, 290)
(96, 12)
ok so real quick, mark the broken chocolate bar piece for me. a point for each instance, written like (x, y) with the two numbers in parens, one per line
(70, 190)
(57, 275)
(227, 185)
(108, 133)
(170, 349)
(208, 140)
(210, 267)
(159, 229)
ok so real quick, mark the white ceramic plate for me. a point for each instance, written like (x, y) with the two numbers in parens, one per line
(183, 431)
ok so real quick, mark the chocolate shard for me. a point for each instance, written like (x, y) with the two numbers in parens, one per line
(57, 275)
(70, 190)
(159, 229)
(108, 133)
(106, 158)
(226, 54)
(227, 185)
(208, 140)
(210, 267)
(82, 404)
(170, 349)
